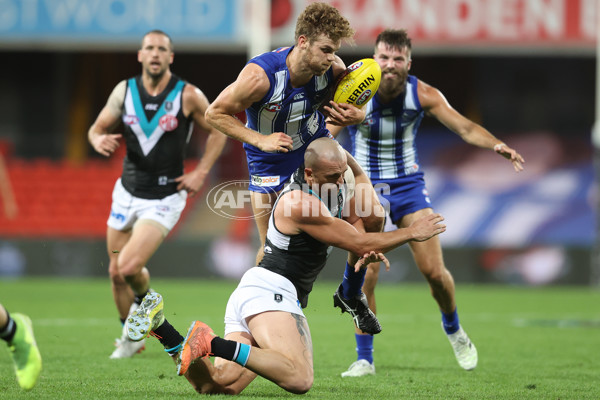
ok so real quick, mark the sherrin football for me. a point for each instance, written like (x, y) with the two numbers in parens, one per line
(358, 83)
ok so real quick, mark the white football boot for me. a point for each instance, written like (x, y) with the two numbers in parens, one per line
(126, 347)
(359, 368)
(464, 349)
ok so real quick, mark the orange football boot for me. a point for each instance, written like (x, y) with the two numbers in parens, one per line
(196, 345)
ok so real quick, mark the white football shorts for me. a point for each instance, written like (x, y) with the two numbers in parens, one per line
(259, 290)
(126, 209)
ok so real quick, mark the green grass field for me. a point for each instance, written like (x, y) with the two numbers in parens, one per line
(533, 343)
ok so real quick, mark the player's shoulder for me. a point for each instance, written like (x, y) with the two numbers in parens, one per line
(272, 60)
(427, 94)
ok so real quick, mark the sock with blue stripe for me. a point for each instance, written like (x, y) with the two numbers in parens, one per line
(450, 322)
(7, 333)
(353, 281)
(230, 350)
(169, 337)
(364, 347)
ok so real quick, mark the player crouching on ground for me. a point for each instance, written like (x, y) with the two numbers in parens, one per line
(266, 332)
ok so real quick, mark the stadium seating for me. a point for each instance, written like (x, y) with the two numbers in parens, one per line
(61, 199)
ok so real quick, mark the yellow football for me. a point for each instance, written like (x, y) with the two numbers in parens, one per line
(358, 83)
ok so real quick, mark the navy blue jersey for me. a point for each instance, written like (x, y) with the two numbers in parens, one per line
(293, 111)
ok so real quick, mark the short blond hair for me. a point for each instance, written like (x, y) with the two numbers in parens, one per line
(322, 19)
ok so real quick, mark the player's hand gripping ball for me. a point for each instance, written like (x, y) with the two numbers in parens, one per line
(358, 84)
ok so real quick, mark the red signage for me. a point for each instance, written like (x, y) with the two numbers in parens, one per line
(438, 23)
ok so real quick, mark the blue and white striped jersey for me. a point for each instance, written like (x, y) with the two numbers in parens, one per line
(384, 143)
(293, 111)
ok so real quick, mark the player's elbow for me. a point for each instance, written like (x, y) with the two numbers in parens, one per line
(210, 115)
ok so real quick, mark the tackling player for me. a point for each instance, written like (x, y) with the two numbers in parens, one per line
(266, 332)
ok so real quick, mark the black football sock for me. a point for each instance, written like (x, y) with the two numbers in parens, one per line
(230, 350)
(7, 332)
(169, 337)
(139, 297)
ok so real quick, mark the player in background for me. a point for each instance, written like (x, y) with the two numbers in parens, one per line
(281, 92)
(266, 332)
(6, 192)
(17, 331)
(384, 144)
(157, 110)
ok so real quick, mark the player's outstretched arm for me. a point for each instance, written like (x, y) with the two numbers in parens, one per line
(436, 105)
(250, 87)
(195, 104)
(300, 212)
(99, 134)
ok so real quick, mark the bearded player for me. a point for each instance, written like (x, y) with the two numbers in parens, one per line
(384, 144)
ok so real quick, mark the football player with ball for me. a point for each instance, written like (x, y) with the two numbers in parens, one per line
(282, 93)
(384, 145)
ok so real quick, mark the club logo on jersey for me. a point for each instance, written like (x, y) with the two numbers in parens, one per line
(273, 107)
(168, 123)
(265, 180)
(363, 97)
(131, 120)
(168, 105)
(278, 298)
(368, 122)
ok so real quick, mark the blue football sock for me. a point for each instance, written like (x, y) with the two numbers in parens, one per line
(353, 281)
(450, 322)
(364, 347)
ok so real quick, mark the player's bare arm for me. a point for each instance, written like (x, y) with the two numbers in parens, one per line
(195, 105)
(251, 86)
(435, 104)
(306, 213)
(99, 134)
(342, 114)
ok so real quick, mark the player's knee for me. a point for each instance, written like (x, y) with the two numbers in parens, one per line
(436, 276)
(114, 274)
(299, 384)
(130, 267)
(301, 380)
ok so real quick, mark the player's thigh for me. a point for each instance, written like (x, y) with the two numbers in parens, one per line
(427, 254)
(285, 333)
(262, 204)
(145, 239)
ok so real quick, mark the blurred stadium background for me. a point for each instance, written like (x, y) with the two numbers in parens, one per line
(525, 69)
